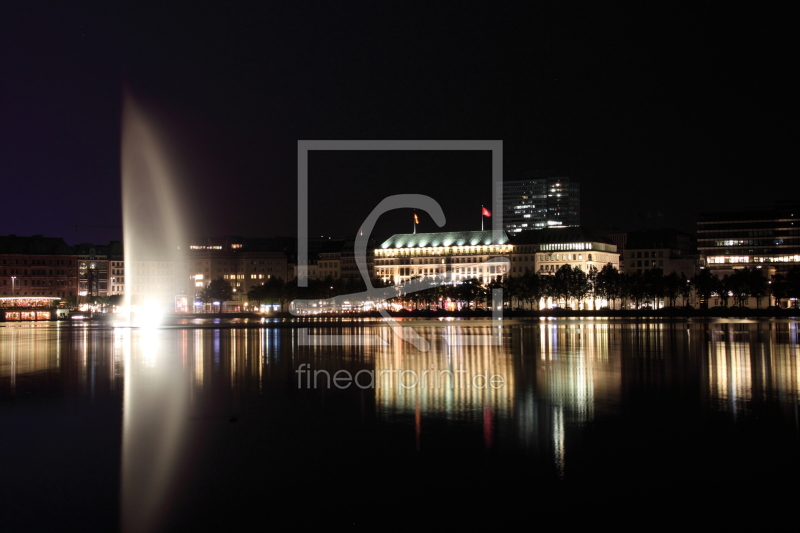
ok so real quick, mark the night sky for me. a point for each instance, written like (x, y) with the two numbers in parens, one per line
(670, 109)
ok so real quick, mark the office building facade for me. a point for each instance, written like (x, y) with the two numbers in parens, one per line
(540, 203)
(762, 238)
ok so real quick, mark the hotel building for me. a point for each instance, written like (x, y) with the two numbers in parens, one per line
(457, 255)
(467, 254)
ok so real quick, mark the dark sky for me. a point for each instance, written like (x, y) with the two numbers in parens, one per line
(671, 108)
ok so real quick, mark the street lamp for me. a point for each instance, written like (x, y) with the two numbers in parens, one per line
(13, 285)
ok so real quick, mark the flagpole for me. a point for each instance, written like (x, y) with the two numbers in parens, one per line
(481, 217)
(415, 222)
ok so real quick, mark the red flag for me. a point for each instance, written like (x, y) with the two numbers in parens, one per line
(485, 212)
(416, 219)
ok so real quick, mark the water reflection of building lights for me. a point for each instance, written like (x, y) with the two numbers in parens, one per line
(450, 399)
(197, 348)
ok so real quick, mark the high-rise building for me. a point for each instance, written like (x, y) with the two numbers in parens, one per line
(540, 202)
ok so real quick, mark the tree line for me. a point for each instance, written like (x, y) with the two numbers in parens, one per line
(567, 287)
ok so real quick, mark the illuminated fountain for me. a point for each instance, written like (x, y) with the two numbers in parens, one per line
(156, 399)
(153, 219)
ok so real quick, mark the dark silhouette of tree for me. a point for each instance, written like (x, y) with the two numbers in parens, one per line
(757, 285)
(560, 284)
(704, 283)
(535, 287)
(273, 291)
(686, 287)
(470, 290)
(570, 283)
(512, 289)
(786, 286)
(653, 286)
(722, 290)
(793, 278)
(634, 288)
(738, 284)
(219, 290)
(673, 284)
(608, 283)
(591, 277)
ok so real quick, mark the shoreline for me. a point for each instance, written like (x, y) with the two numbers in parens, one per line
(655, 313)
(336, 319)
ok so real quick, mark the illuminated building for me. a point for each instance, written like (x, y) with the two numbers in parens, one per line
(37, 266)
(92, 269)
(244, 263)
(539, 203)
(761, 238)
(116, 266)
(457, 255)
(335, 258)
(15, 309)
(547, 250)
(462, 255)
(325, 258)
(328, 263)
(347, 262)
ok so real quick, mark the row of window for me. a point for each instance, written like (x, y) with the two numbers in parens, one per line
(648, 263)
(465, 271)
(750, 259)
(646, 254)
(564, 257)
(38, 262)
(37, 283)
(62, 294)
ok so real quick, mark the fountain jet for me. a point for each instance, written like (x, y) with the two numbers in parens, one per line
(153, 219)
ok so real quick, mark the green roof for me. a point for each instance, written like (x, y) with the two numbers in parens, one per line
(560, 235)
(448, 238)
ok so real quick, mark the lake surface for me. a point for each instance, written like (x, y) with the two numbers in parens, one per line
(234, 426)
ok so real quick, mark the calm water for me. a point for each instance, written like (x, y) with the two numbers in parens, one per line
(211, 426)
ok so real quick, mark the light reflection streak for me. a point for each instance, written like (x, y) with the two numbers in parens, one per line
(154, 432)
(559, 448)
(198, 359)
